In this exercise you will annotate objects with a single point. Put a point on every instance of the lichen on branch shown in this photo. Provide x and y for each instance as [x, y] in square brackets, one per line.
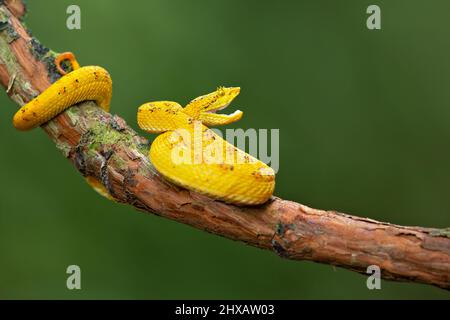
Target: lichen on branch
[101, 146]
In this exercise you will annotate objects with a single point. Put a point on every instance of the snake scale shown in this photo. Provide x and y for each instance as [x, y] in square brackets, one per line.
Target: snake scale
[186, 152]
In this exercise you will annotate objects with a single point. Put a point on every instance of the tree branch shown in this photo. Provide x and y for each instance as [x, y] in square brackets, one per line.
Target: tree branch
[102, 146]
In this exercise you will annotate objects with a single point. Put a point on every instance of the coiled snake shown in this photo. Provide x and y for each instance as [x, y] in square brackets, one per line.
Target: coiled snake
[186, 152]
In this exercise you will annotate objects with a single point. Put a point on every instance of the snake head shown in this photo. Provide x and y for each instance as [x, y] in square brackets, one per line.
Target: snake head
[217, 100]
[205, 107]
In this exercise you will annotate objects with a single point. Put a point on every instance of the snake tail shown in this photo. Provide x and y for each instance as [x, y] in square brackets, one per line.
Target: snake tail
[82, 84]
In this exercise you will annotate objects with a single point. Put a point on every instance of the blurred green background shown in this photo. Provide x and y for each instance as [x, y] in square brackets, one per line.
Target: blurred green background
[364, 119]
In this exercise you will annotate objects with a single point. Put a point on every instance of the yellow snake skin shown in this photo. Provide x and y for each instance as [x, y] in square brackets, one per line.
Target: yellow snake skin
[82, 84]
[209, 165]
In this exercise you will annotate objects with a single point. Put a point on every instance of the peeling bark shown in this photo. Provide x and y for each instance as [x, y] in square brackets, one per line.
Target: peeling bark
[103, 147]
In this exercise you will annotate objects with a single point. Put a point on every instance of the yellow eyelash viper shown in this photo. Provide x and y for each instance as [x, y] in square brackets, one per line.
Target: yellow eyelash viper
[208, 164]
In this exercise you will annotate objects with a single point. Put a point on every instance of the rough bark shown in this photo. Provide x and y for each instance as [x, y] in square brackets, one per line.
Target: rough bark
[102, 146]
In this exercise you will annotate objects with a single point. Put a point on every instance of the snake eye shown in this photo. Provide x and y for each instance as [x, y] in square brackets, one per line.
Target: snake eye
[221, 91]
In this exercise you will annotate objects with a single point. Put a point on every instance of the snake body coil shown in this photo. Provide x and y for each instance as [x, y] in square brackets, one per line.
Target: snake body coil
[240, 179]
[82, 84]
[193, 156]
